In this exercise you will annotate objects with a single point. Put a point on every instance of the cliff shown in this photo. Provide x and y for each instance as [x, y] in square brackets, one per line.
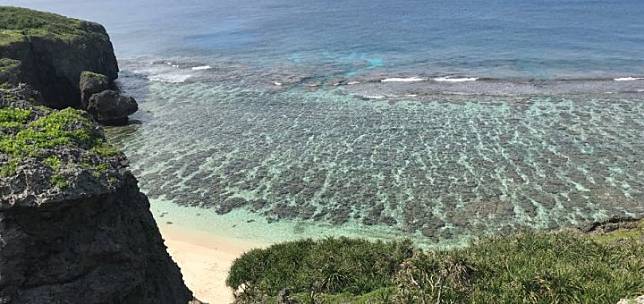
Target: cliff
[49, 52]
[74, 227]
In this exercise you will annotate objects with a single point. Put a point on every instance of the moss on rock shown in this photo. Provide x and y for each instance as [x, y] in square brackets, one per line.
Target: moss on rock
[58, 148]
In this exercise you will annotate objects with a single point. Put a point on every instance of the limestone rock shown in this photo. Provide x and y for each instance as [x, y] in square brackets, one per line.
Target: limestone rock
[110, 107]
[53, 51]
[74, 226]
[90, 84]
[9, 71]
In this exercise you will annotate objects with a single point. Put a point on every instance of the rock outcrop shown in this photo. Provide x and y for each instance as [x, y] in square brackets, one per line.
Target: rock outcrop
[53, 51]
[66, 60]
[74, 227]
[110, 107]
[90, 84]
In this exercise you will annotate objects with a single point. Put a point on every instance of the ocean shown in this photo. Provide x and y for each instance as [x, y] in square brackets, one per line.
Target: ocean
[439, 120]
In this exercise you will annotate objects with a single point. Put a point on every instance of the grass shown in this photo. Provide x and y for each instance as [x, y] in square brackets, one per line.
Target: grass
[18, 24]
[533, 267]
[327, 266]
[27, 137]
[67, 127]
[15, 23]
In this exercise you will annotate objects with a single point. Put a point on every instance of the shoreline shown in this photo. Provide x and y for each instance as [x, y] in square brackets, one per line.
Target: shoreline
[204, 259]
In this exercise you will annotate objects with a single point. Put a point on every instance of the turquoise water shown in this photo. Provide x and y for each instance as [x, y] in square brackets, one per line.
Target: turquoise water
[440, 120]
[435, 167]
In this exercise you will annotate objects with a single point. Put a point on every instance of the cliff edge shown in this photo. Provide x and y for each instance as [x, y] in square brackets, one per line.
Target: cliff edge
[74, 227]
[49, 52]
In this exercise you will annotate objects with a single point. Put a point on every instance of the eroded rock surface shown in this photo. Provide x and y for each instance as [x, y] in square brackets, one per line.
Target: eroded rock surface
[110, 107]
[90, 84]
[53, 51]
[74, 227]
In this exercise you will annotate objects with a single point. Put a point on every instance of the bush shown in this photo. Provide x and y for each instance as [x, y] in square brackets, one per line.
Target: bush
[534, 267]
[325, 266]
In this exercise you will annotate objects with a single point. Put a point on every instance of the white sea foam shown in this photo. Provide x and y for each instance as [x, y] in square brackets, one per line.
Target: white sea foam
[169, 77]
[628, 78]
[374, 96]
[277, 83]
[454, 79]
[353, 82]
[201, 68]
[408, 79]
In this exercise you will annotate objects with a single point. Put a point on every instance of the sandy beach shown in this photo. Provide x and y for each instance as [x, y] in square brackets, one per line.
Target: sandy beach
[204, 260]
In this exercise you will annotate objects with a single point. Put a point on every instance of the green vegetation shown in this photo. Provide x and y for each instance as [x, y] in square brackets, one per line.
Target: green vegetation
[13, 118]
[533, 267]
[16, 23]
[67, 127]
[92, 75]
[59, 181]
[328, 266]
[53, 162]
[25, 136]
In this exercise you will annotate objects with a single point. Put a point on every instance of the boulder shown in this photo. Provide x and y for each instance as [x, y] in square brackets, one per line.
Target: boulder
[110, 107]
[92, 83]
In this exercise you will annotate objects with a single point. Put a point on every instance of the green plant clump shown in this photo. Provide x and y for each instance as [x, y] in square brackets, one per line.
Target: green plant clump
[13, 118]
[16, 23]
[67, 127]
[22, 138]
[535, 267]
[327, 266]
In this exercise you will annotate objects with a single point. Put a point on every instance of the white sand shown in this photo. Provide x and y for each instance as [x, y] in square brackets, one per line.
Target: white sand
[204, 260]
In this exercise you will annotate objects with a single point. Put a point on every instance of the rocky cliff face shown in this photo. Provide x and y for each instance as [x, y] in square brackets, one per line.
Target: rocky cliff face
[102, 248]
[74, 227]
[53, 50]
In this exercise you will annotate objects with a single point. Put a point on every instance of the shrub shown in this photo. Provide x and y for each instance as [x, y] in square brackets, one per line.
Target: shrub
[533, 267]
[325, 266]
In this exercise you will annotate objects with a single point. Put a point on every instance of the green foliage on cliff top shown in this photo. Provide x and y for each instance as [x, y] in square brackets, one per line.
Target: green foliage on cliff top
[534, 267]
[60, 128]
[17, 23]
[24, 136]
[330, 265]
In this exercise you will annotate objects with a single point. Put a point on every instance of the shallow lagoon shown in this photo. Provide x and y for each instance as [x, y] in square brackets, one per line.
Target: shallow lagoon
[437, 167]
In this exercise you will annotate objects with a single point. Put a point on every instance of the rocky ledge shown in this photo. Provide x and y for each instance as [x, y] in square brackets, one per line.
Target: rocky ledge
[74, 226]
[66, 60]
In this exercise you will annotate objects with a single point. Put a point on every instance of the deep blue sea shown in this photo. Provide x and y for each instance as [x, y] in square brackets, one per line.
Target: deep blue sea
[493, 38]
[437, 119]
